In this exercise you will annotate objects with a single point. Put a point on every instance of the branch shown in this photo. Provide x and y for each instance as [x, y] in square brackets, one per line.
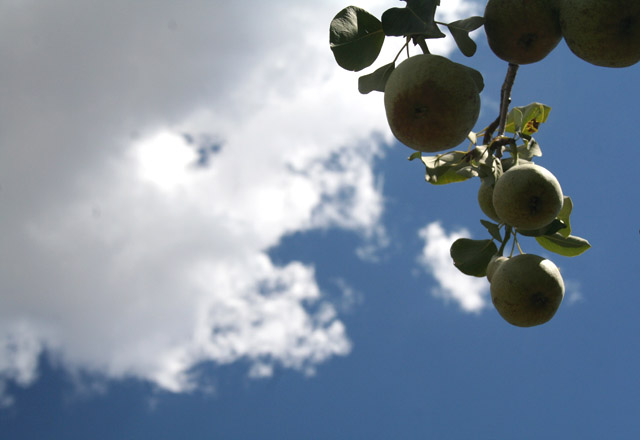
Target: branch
[505, 96]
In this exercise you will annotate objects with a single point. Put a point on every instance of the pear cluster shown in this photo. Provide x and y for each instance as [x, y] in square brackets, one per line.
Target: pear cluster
[602, 32]
[431, 102]
[526, 290]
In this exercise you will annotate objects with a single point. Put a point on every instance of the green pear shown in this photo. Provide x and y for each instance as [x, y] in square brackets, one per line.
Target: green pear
[432, 103]
[602, 32]
[485, 200]
[493, 265]
[527, 290]
[527, 196]
[521, 31]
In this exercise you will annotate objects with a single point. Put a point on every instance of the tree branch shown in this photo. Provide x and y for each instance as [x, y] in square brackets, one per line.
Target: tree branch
[505, 96]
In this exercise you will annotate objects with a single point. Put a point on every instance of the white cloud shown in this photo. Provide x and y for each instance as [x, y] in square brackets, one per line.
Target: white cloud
[122, 257]
[470, 293]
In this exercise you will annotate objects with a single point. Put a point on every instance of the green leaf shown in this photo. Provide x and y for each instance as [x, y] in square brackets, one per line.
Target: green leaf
[460, 31]
[356, 38]
[414, 19]
[564, 214]
[529, 150]
[443, 168]
[376, 80]
[527, 119]
[471, 257]
[570, 246]
[493, 229]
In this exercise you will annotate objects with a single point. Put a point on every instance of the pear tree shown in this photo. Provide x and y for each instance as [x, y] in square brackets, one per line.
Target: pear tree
[432, 106]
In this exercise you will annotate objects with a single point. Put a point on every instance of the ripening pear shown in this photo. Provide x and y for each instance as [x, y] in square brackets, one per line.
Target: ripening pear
[522, 31]
[485, 200]
[527, 196]
[602, 32]
[432, 103]
[527, 290]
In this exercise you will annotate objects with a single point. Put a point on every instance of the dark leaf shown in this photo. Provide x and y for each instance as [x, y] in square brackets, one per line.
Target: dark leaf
[355, 37]
[376, 80]
[414, 19]
[471, 257]
[493, 229]
[460, 31]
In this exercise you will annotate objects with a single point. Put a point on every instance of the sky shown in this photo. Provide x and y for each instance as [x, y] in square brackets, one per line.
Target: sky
[207, 232]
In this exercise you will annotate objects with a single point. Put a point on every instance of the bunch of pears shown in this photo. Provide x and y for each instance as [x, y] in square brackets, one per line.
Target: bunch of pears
[527, 289]
[602, 32]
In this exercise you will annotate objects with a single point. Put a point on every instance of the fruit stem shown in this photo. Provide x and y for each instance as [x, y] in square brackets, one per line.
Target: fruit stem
[505, 96]
[420, 41]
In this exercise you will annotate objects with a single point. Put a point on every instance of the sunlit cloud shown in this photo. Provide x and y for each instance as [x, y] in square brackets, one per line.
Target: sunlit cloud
[148, 172]
[469, 293]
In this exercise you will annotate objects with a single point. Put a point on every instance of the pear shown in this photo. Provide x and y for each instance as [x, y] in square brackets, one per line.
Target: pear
[485, 200]
[526, 290]
[493, 265]
[522, 31]
[431, 102]
[527, 196]
[602, 32]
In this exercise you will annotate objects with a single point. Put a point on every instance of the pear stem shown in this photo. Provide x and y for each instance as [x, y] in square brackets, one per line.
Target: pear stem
[505, 96]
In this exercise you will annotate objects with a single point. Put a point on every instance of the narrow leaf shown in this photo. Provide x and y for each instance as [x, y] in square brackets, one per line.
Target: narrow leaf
[570, 246]
[564, 214]
[355, 38]
[376, 80]
[493, 229]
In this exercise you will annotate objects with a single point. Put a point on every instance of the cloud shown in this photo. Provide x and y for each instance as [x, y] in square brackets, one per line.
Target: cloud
[471, 294]
[151, 162]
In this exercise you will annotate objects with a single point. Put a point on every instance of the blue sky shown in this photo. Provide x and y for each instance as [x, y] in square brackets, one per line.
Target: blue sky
[281, 290]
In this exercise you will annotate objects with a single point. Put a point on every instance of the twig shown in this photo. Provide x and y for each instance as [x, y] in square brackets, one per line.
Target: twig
[505, 96]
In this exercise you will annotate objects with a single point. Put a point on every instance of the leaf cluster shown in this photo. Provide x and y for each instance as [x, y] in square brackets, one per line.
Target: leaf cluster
[356, 37]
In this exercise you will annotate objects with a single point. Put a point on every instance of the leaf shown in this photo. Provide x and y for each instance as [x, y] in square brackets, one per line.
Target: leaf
[414, 19]
[416, 155]
[564, 214]
[443, 168]
[493, 229]
[570, 246]
[460, 31]
[527, 119]
[471, 257]
[356, 38]
[529, 150]
[376, 80]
